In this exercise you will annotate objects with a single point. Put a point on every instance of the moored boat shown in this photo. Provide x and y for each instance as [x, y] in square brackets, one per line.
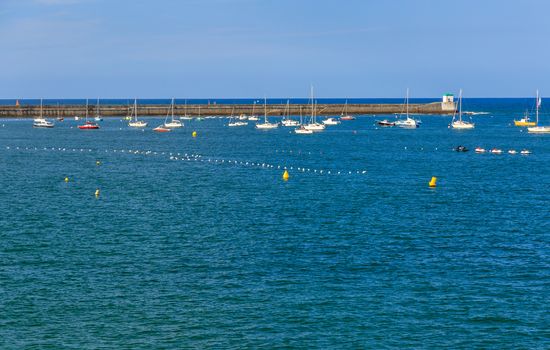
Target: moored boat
[457, 122]
[88, 125]
[538, 129]
[42, 122]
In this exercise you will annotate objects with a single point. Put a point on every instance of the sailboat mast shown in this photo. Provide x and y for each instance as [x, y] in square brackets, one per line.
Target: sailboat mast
[460, 106]
[538, 106]
[135, 109]
[265, 109]
[86, 109]
[172, 108]
[40, 108]
[97, 107]
[407, 103]
[312, 112]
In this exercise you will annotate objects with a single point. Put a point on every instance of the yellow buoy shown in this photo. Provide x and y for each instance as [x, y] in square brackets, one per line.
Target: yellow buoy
[194, 134]
[286, 176]
[97, 192]
[66, 179]
[433, 181]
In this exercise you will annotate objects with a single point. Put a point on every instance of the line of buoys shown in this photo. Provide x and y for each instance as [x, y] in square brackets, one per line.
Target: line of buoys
[200, 158]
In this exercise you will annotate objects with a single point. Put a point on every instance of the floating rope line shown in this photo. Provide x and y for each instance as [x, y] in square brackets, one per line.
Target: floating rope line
[192, 157]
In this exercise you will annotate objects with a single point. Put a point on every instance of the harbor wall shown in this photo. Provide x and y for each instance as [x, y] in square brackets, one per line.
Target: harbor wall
[53, 111]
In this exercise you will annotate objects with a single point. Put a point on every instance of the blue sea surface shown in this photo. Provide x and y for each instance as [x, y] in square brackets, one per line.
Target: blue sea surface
[199, 243]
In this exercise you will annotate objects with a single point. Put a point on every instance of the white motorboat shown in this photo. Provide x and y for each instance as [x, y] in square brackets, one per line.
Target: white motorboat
[458, 123]
[42, 123]
[331, 121]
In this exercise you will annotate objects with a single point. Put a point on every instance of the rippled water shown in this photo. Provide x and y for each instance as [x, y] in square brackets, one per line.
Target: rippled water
[209, 253]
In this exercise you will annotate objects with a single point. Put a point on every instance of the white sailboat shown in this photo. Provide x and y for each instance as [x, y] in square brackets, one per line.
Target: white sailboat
[408, 122]
[185, 116]
[135, 123]
[42, 122]
[173, 123]
[313, 125]
[253, 117]
[286, 117]
[459, 123]
[98, 117]
[266, 124]
[538, 129]
[301, 129]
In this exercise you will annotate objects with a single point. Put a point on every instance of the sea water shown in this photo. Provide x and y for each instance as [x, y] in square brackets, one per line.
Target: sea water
[199, 243]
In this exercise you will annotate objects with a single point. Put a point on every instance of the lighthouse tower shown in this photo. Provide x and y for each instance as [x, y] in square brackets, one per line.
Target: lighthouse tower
[447, 103]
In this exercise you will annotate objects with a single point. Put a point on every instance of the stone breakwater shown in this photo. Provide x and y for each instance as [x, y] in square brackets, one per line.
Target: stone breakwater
[53, 111]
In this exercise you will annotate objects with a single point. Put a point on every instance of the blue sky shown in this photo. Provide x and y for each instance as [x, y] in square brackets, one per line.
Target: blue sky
[252, 48]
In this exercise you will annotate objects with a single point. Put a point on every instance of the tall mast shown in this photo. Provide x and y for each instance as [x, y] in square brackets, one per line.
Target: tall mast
[40, 108]
[312, 113]
[86, 109]
[538, 105]
[172, 108]
[460, 105]
[407, 103]
[135, 109]
[265, 109]
[97, 107]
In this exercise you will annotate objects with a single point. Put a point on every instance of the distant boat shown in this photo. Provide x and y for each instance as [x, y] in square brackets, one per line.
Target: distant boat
[88, 125]
[233, 122]
[253, 117]
[185, 116]
[301, 129]
[266, 124]
[385, 123]
[345, 115]
[98, 117]
[173, 123]
[525, 121]
[408, 122]
[135, 123]
[286, 117]
[460, 124]
[313, 125]
[331, 121]
[42, 122]
[161, 128]
[538, 129]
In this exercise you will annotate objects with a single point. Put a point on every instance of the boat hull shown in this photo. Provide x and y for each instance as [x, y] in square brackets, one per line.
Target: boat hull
[539, 130]
[524, 123]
